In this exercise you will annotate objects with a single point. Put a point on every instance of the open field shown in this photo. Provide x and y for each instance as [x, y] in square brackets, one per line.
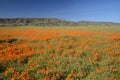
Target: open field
[60, 53]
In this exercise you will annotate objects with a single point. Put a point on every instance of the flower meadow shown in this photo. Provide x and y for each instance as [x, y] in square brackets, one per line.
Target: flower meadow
[59, 53]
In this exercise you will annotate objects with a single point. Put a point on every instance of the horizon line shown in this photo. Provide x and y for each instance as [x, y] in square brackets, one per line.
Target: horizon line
[59, 19]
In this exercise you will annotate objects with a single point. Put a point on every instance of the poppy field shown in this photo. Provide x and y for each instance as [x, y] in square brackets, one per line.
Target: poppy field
[60, 53]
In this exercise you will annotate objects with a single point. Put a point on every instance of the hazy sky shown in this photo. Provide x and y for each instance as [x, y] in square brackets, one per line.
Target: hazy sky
[74, 10]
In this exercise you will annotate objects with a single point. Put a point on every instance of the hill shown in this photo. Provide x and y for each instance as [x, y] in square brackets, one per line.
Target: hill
[50, 22]
[34, 22]
[90, 23]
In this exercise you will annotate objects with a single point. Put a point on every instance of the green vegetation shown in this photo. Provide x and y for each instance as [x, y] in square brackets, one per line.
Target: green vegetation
[60, 53]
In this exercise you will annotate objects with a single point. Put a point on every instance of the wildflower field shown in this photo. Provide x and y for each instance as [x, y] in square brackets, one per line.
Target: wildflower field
[60, 53]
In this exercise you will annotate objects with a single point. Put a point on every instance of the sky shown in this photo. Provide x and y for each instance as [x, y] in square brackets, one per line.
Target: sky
[72, 10]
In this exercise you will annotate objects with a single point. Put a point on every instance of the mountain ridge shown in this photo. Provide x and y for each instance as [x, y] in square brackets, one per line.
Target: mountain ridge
[51, 22]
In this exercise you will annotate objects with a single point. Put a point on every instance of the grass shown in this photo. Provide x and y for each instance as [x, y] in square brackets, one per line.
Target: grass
[60, 53]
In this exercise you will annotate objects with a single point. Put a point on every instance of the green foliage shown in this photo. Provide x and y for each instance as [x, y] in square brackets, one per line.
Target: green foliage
[75, 57]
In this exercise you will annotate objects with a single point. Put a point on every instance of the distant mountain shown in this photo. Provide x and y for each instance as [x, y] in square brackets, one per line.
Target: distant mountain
[50, 22]
[34, 22]
[91, 23]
